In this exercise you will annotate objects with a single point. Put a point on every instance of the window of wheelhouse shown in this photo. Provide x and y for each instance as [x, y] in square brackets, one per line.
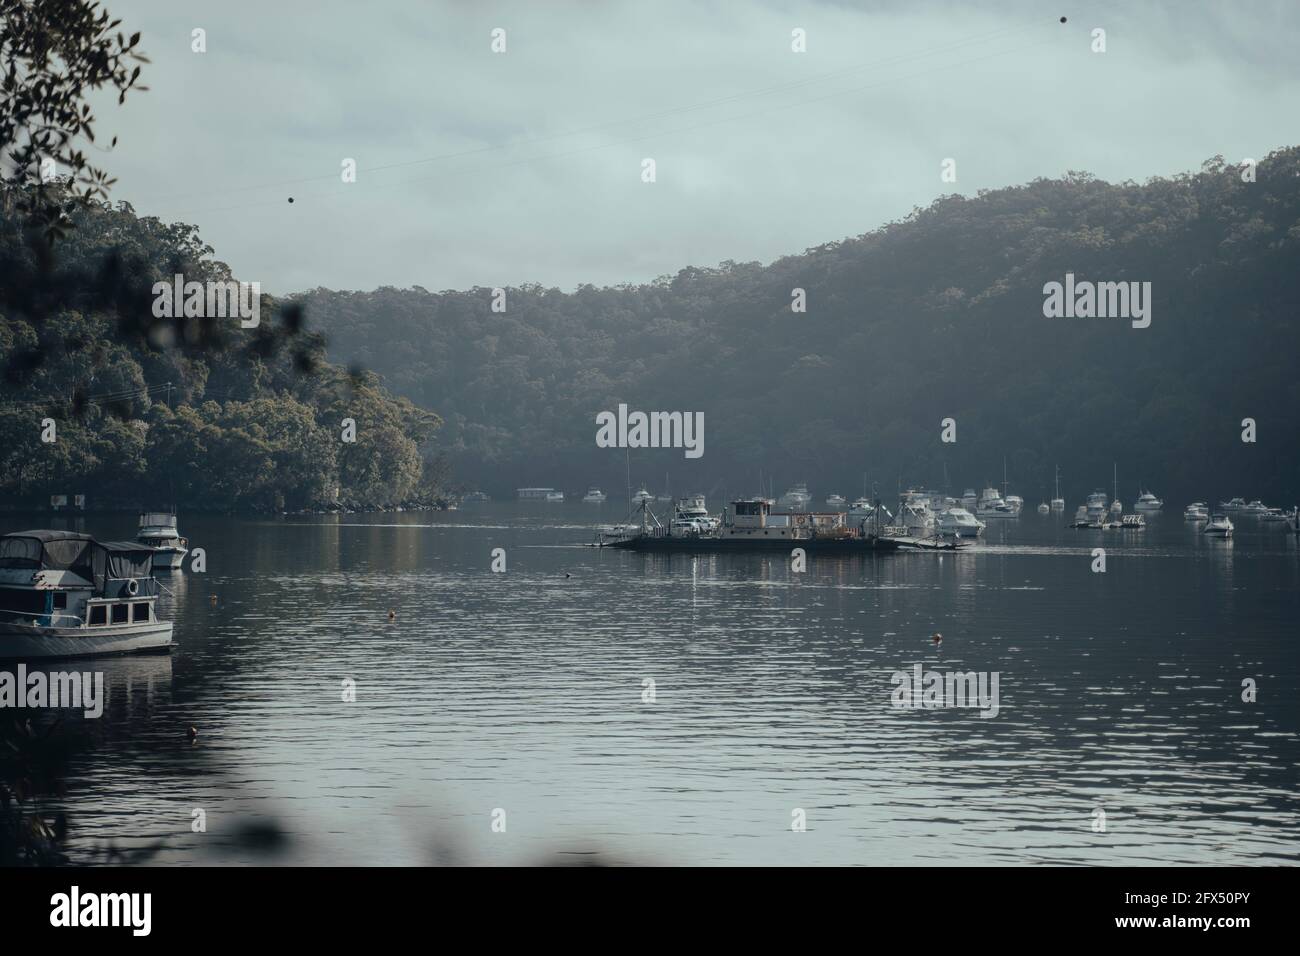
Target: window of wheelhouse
[120, 613]
[60, 600]
[98, 614]
[140, 611]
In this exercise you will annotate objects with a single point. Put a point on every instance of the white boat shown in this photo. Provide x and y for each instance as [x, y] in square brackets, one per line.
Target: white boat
[1273, 514]
[1148, 502]
[594, 496]
[1116, 507]
[1014, 502]
[1256, 507]
[554, 496]
[959, 523]
[1219, 526]
[1196, 511]
[692, 509]
[796, 498]
[64, 594]
[1044, 508]
[642, 496]
[1096, 505]
[915, 518]
[1082, 518]
[835, 501]
[1233, 504]
[969, 500]
[1058, 503]
[158, 531]
[993, 506]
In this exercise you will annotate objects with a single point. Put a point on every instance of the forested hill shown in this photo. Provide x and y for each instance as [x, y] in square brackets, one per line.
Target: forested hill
[196, 412]
[937, 316]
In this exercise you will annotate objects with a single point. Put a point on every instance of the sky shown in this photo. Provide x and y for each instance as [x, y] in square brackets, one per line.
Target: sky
[483, 168]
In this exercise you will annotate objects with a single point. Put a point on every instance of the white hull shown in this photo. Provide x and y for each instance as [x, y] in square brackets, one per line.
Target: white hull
[30, 642]
[169, 558]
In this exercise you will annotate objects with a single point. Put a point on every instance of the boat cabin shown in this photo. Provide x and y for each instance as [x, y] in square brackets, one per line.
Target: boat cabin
[64, 579]
[755, 517]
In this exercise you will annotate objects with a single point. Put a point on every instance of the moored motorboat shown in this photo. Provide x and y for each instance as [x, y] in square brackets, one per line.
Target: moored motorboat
[959, 523]
[796, 497]
[1219, 526]
[1196, 511]
[594, 496]
[1148, 502]
[158, 531]
[64, 594]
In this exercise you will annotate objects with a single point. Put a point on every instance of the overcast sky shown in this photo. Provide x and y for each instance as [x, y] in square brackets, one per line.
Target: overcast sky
[526, 166]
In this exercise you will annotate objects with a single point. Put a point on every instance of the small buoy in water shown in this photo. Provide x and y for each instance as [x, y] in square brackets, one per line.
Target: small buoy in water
[192, 732]
[290, 199]
[212, 599]
[938, 638]
[1062, 20]
[392, 615]
[567, 574]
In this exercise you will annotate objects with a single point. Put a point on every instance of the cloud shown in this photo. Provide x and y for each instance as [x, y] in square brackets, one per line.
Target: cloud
[760, 152]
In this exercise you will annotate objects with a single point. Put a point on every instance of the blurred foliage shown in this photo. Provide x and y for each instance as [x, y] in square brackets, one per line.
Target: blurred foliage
[53, 53]
[939, 315]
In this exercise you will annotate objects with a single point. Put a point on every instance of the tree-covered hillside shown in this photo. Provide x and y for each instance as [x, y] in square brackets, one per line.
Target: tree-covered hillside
[938, 316]
[193, 411]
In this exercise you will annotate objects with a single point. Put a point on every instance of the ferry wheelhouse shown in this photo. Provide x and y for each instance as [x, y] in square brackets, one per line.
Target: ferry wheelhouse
[64, 594]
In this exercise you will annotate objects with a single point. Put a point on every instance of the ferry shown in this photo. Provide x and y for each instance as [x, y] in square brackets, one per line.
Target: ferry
[158, 531]
[64, 594]
[751, 524]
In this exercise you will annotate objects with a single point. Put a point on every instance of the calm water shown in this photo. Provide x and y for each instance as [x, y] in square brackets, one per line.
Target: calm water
[523, 691]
